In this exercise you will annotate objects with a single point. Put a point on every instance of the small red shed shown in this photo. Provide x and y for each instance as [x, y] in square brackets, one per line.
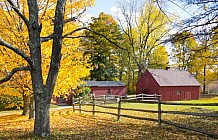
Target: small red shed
[172, 85]
[107, 87]
[98, 88]
[61, 101]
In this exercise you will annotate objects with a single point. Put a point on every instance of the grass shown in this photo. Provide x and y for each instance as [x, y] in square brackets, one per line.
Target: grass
[174, 107]
[66, 124]
[204, 100]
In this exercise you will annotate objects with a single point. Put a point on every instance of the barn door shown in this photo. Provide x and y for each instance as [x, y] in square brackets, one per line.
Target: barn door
[188, 95]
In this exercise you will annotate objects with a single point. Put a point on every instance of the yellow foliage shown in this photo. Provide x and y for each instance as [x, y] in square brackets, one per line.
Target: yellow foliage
[12, 29]
[152, 23]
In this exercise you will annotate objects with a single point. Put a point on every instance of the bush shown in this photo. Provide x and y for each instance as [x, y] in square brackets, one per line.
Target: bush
[86, 91]
[82, 91]
[10, 102]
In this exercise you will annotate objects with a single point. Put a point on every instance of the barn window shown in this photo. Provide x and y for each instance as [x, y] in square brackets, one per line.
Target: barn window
[178, 92]
[62, 100]
[108, 91]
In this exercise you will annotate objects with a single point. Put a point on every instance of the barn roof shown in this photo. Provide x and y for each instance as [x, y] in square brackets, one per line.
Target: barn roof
[173, 77]
[105, 83]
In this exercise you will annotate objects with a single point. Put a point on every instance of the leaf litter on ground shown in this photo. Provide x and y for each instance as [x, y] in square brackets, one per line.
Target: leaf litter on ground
[66, 124]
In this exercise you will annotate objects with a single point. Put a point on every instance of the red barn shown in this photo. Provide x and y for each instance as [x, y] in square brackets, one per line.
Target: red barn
[98, 88]
[107, 87]
[172, 85]
[62, 101]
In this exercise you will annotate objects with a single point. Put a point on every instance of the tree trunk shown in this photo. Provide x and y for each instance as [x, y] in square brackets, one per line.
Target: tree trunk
[43, 93]
[32, 108]
[25, 105]
[204, 84]
[42, 116]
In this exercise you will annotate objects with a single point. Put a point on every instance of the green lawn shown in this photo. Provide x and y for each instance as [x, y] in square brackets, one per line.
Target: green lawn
[204, 100]
[174, 107]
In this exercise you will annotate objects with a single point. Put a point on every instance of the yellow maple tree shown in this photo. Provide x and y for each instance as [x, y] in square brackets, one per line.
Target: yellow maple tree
[51, 27]
[74, 64]
[14, 31]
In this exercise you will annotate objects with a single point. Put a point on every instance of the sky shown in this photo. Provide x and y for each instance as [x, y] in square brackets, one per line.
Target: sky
[102, 5]
[107, 6]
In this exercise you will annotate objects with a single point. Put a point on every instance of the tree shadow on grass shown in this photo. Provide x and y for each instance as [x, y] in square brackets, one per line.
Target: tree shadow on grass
[67, 125]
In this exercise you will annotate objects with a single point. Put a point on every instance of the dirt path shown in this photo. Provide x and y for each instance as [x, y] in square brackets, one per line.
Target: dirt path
[4, 113]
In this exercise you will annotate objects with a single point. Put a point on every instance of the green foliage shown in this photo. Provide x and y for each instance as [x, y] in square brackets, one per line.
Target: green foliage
[104, 56]
[138, 38]
[86, 91]
[10, 102]
[82, 90]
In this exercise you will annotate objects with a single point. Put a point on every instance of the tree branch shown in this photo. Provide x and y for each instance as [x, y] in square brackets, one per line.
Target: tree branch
[201, 1]
[19, 13]
[76, 17]
[47, 38]
[78, 29]
[99, 34]
[16, 50]
[106, 39]
[8, 77]
[56, 48]
[158, 4]
[74, 37]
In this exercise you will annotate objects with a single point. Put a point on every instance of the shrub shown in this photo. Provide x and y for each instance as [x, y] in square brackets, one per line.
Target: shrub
[11, 102]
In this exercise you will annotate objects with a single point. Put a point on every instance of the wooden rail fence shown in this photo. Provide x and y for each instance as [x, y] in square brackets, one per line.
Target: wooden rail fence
[101, 102]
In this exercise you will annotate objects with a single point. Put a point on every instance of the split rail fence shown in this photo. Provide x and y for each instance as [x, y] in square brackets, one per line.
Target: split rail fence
[103, 101]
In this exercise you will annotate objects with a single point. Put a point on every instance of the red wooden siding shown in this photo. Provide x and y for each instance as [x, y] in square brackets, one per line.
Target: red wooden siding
[148, 85]
[98, 88]
[115, 90]
[179, 93]
[60, 101]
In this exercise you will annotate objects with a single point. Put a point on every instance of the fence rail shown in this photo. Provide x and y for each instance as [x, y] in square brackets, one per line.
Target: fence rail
[101, 102]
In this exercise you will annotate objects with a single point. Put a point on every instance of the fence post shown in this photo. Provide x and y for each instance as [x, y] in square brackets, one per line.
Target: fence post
[80, 108]
[119, 108]
[93, 105]
[159, 112]
[142, 96]
[105, 99]
[73, 104]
